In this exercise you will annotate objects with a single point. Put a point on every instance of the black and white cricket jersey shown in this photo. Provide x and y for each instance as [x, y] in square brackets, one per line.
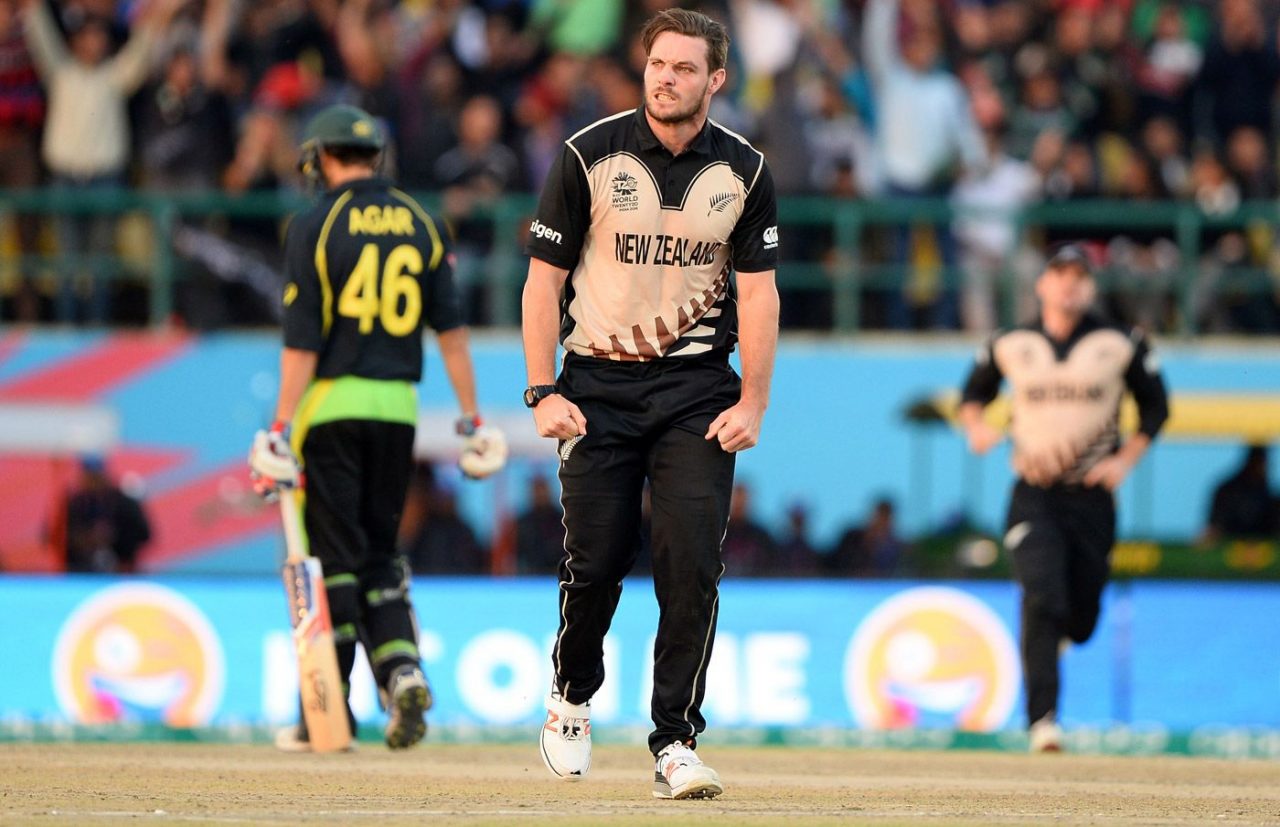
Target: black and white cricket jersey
[1066, 395]
[650, 239]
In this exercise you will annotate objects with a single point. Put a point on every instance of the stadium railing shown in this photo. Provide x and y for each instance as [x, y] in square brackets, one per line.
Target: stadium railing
[837, 257]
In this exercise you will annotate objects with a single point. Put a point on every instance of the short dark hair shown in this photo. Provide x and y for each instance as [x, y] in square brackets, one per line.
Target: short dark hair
[1071, 254]
[691, 24]
[350, 155]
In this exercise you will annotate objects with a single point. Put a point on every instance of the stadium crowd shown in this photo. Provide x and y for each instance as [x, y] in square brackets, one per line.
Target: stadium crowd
[435, 538]
[992, 105]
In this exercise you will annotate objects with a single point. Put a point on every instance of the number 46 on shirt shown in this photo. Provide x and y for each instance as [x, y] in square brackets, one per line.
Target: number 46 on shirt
[366, 297]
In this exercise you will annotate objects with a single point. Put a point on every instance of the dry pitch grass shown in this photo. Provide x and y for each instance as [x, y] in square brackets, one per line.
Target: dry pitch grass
[56, 784]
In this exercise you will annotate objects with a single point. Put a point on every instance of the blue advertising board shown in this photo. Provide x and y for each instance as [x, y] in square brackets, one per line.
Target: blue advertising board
[196, 652]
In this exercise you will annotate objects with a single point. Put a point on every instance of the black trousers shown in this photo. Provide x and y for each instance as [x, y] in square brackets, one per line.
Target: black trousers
[357, 475]
[1061, 539]
[645, 421]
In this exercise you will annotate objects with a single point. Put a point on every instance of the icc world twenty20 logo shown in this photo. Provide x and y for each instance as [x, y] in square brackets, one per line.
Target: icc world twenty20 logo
[138, 652]
[932, 658]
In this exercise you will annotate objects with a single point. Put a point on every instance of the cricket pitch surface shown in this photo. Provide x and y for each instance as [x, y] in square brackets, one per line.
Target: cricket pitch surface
[143, 783]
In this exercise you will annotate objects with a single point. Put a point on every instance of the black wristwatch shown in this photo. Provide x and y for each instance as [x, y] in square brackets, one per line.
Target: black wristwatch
[536, 393]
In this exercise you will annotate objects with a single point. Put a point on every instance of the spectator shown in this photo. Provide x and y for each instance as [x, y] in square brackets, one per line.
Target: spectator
[884, 548]
[1168, 71]
[105, 527]
[1040, 106]
[873, 549]
[431, 88]
[613, 86]
[1251, 163]
[1010, 24]
[925, 137]
[1211, 185]
[22, 110]
[1238, 79]
[445, 544]
[554, 102]
[266, 150]
[1079, 68]
[1175, 79]
[748, 549]
[416, 499]
[539, 531]
[184, 134]
[86, 137]
[1075, 177]
[1146, 259]
[1163, 143]
[836, 140]
[796, 556]
[497, 51]
[361, 30]
[1109, 73]
[1243, 503]
[986, 227]
[474, 174]
[1222, 302]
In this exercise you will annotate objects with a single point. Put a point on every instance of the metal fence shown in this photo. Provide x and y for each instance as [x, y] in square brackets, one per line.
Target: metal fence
[1179, 269]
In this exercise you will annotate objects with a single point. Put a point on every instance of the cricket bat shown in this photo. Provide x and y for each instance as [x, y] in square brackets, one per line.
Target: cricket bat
[324, 706]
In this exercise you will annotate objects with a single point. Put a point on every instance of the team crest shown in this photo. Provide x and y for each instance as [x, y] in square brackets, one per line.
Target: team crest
[625, 198]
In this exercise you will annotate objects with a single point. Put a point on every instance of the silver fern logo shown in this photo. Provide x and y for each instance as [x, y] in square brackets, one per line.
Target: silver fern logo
[721, 202]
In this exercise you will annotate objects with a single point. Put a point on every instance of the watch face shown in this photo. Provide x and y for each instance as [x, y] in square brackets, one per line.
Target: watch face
[536, 393]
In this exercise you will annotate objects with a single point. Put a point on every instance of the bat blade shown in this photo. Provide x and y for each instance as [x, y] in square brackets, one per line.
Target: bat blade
[324, 706]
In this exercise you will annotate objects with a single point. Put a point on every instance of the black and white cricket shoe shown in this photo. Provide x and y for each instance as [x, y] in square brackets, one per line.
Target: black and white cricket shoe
[409, 698]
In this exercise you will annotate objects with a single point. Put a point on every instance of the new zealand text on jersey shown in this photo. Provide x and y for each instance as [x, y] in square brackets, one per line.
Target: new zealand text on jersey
[1063, 392]
[663, 250]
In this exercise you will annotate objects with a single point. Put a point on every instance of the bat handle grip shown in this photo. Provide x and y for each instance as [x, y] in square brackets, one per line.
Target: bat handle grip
[295, 545]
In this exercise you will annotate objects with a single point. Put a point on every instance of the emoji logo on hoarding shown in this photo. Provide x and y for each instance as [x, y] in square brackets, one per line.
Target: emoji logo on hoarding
[932, 658]
[138, 652]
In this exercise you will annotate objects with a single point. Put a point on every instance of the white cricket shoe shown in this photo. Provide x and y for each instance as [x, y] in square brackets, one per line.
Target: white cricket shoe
[566, 738]
[409, 699]
[1045, 735]
[681, 774]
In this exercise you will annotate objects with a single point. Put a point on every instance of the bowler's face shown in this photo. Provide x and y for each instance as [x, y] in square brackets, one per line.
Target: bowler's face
[1068, 288]
[677, 83]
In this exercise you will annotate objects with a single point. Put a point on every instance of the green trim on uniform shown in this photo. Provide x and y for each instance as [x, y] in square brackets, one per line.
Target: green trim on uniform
[437, 247]
[322, 261]
[312, 398]
[345, 633]
[340, 580]
[355, 397]
[392, 648]
[378, 597]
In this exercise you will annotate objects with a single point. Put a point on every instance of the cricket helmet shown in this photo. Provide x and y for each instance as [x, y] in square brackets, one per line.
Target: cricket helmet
[338, 126]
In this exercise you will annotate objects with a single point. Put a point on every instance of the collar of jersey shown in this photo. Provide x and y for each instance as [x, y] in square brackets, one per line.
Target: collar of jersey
[702, 143]
[374, 182]
[1088, 323]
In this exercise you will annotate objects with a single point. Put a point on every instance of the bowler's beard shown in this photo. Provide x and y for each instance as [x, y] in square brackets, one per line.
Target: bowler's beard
[678, 116]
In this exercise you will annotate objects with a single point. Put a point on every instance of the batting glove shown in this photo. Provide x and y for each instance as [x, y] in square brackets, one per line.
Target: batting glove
[273, 466]
[484, 448]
